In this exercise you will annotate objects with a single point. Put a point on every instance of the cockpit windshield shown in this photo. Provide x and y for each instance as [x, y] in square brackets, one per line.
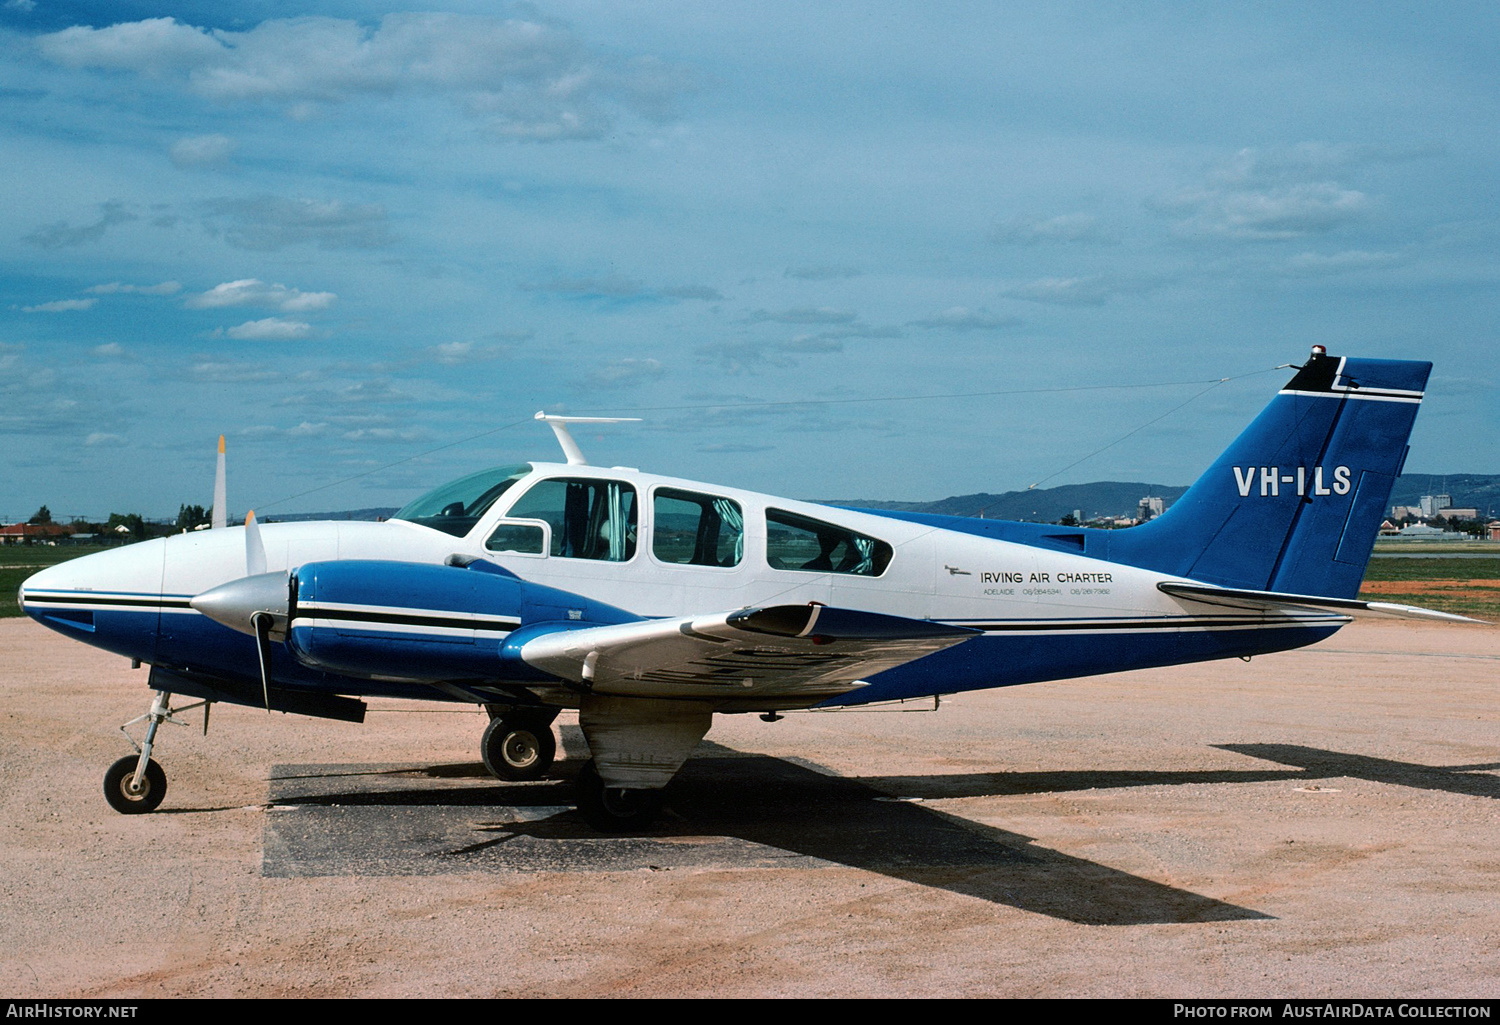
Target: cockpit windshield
[455, 507]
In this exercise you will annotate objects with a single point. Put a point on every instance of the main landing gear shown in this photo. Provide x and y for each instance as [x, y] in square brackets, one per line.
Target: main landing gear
[518, 744]
[614, 809]
[135, 784]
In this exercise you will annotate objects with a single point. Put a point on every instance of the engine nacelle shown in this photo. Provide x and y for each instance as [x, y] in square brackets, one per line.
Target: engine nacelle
[424, 623]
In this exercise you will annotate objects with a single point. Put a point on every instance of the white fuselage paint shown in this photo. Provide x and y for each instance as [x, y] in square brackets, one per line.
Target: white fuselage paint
[934, 574]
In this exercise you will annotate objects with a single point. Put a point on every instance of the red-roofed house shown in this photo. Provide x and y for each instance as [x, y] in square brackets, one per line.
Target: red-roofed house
[17, 533]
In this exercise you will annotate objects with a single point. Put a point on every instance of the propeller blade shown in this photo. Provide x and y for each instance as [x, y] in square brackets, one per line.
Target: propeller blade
[221, 503]
[255, 548]
[262, 623]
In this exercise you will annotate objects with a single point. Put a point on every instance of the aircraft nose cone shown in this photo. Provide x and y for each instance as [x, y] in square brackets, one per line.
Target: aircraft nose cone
[235, 603]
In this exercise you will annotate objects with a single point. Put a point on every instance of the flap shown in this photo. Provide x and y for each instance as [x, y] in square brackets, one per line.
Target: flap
[804, 653]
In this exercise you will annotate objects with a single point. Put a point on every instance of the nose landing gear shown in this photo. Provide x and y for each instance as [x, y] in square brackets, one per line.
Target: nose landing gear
[135, 784]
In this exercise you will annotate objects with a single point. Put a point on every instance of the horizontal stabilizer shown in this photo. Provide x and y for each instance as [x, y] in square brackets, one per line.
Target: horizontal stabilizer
[787, 655]
[1274, 600]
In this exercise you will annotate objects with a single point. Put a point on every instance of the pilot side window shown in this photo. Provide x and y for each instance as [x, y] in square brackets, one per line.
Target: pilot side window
[801, 543]
[591, 519]
[696, 530]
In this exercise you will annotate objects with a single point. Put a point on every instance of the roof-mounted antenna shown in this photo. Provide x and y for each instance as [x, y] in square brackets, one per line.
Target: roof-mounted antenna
[559, 425]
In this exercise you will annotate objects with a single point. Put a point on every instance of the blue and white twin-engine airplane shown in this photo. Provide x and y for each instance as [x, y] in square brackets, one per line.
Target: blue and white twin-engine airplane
[649, 604]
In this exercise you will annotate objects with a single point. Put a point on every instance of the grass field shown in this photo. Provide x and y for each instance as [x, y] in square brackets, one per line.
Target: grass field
[17, 562]
[1470, 586]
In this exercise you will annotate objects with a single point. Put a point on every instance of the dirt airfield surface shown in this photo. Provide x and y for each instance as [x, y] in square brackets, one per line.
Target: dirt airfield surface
[1316, 823]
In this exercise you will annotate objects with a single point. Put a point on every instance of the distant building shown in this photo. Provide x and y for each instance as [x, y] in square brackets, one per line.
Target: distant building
[1430, 504]
[1150, 507]
[1493, 527]
[1453, 513]
[1422, 532]
[20, 533]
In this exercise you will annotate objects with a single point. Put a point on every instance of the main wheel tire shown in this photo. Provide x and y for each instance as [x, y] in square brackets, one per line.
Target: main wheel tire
[517, 748]
[117, 783]
[614, 809]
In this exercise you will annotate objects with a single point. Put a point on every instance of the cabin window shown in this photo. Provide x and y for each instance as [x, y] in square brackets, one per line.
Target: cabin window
[590, 519]
[455, 507]
[691, 529]
[800, 543]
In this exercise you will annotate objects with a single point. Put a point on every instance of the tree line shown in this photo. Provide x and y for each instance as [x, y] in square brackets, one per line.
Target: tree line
[138, 528]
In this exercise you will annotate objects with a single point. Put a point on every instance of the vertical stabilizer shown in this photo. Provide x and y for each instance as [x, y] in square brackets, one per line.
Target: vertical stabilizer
[1295, 503]
[221, 509]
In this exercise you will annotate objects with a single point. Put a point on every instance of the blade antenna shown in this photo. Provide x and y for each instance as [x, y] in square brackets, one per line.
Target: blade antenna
[559, 425]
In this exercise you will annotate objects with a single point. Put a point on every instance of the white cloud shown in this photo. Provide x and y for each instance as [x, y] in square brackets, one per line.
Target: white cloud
[805, 315]
[224, 372]
[389, 434]
[267, 223]
[523, 79]
[305, 429]
[254, 292]
[61, 306]
[99, 439]
[113, 287]
[1094, 290]
[624, 372]
[616, 287]
[1339, 263]
[691, 292]
[271, 329]
[61, 233]
[1063, 229]
[822, 273]
[1279, 212]
[961, 318]
[612, 287]
[1274, 194]
[202, 151]
[109, 350]
[457, 353]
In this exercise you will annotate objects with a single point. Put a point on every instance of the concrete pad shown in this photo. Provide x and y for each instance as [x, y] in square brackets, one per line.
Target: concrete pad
[1316, 823]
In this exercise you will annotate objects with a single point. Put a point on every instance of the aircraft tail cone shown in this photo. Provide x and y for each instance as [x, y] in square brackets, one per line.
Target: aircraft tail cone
[237, 603]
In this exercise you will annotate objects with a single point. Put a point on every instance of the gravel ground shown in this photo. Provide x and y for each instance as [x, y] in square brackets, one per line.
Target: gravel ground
[1318, 823]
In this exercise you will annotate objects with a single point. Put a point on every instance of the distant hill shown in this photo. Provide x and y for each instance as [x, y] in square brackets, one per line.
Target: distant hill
[1119, 498]
[1101, 498]
[1469, 490]
[1043, 505]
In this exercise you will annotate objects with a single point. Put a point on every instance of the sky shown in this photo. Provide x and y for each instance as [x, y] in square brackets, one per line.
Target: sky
[823, 250]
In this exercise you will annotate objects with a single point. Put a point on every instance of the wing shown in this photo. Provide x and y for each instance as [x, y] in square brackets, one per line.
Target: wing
[795, 654]
[1275, 601]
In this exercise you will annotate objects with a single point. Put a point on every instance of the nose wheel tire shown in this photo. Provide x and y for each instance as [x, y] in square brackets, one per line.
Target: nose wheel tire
[128, 797]
[517, 748]
[614, 809]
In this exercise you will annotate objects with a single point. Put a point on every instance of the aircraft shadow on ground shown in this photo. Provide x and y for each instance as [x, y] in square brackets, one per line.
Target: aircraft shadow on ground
[1316, 763]
[724, 810]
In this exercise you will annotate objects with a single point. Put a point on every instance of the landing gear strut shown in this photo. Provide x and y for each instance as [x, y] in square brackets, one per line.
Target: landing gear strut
[614, 809]
[135, 784]
[518, 744]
